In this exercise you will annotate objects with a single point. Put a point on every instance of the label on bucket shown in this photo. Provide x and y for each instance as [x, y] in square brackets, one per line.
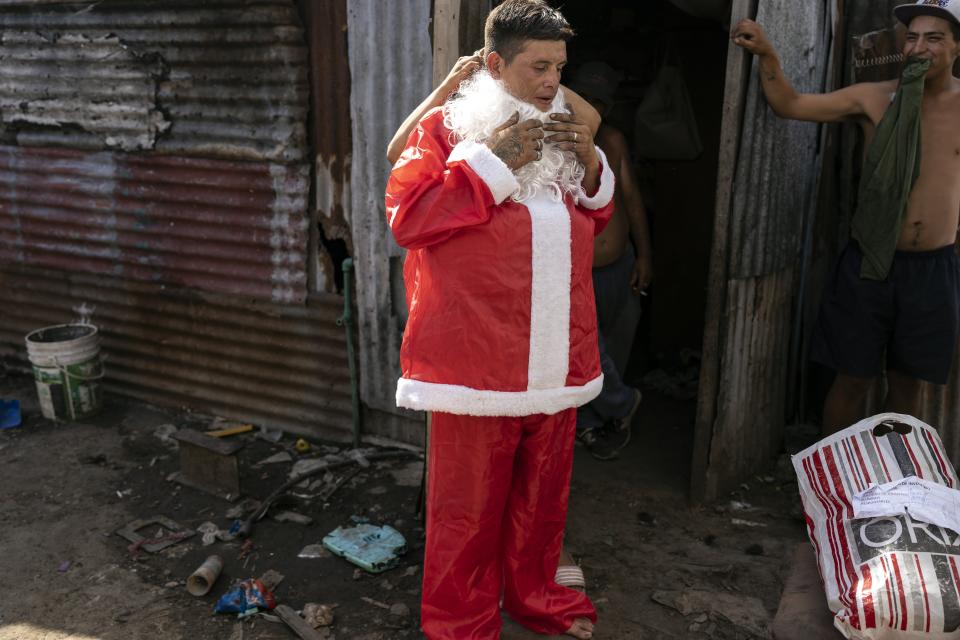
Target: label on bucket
[71, 392]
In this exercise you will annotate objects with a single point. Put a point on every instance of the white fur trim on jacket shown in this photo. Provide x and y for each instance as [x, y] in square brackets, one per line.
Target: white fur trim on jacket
[605, 193]
[460, 400]
[491, 169]
[551, 272]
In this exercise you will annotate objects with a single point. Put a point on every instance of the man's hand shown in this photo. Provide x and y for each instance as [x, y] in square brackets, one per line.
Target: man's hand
[642, 274]
[749, 35]
[572, 134]
[517, 143]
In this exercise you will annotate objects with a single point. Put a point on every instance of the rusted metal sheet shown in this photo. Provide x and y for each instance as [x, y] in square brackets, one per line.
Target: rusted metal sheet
[756, 258]
[223, 79]
[271, 364]
[213, 225]
[390, 64]
[326, 26]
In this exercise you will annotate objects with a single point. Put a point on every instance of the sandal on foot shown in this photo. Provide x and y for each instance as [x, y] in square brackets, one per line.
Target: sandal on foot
[570, 576]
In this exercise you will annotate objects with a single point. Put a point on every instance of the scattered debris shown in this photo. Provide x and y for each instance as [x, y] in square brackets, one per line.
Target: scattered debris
[376, 603]
[230, 431]
[245, 550]
[64, 566]
[9, 414]
[170, 533]
[292, 516]
[747, 614]
[249, 596]
[271, 579]
[318, 615]
[270, 436]
[374, 549]
[165, 433]
[297, 624]
[747, 523]
[400, 610]
[314, 551]
[211, 533]
[209, 464]
[246, 507]
[409, 475]
[283, 456]
[302, 446]
[315, 468]
[201, 581]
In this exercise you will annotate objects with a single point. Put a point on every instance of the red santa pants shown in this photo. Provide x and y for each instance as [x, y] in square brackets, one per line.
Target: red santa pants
[496, 510]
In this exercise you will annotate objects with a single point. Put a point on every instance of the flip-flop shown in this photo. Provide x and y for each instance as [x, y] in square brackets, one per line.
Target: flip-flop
[570, 576]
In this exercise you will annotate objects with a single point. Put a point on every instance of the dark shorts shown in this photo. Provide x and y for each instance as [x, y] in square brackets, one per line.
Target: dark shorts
[912, 316]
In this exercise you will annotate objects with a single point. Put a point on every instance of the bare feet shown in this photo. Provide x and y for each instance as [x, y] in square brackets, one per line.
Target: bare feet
[581, 628]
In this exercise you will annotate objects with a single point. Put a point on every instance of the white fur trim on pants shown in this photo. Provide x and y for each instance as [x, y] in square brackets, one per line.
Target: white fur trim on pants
[460, 400]
[604, 194]
[491, 169]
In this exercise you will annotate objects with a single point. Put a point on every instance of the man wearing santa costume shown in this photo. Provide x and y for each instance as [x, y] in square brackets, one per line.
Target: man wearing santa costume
[497, 196]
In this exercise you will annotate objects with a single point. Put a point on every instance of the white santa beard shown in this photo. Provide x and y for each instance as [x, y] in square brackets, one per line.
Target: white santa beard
[483, 105]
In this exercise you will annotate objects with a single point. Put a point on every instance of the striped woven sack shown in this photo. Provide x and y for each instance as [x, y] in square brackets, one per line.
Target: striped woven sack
[888, 577]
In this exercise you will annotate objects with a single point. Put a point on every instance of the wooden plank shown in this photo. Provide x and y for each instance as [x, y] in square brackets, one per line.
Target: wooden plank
[446, 37]
[734, 98]
[297, 624]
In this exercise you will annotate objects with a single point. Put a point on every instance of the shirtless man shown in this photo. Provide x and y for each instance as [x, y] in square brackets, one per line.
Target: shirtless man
[621, 272]
[913, 313]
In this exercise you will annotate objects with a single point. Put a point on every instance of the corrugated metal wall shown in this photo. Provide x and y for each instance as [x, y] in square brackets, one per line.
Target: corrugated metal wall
[772, 199]
[156, 170]
[232, 227]
[222, 79]
[330, 132]
[279, 365]
[390, 68]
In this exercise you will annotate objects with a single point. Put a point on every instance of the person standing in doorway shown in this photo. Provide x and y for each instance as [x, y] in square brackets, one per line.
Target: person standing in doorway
[622, 272]
[892, 302]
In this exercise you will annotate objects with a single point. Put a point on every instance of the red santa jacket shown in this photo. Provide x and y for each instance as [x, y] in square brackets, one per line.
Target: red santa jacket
[502, 319]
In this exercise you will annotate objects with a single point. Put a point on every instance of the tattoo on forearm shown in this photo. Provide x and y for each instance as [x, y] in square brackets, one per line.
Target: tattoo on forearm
[509, 149]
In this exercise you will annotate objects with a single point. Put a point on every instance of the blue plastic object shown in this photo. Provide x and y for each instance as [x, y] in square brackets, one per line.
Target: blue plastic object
[9, 414]
[375, 549]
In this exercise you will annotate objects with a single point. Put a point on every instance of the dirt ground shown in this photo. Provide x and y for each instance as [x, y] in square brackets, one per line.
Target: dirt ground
[656, 568]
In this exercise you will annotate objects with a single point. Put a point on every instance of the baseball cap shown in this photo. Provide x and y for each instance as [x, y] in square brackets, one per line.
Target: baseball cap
[596, 80]
[947, 9]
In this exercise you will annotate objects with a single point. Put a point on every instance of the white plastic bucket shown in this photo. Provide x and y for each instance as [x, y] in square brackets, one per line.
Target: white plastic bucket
[67, 370]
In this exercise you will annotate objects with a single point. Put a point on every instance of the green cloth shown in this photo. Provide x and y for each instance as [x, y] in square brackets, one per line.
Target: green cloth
[891, 168]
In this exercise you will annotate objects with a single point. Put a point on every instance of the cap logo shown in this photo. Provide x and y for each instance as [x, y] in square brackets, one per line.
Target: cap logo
[943, 4]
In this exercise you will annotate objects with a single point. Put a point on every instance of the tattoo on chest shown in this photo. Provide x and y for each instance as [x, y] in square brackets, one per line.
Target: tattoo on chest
[509, 149]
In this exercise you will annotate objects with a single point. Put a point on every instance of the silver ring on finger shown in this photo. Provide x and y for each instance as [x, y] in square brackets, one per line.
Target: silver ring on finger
[539, 154]
[574, 137]
[539, 144]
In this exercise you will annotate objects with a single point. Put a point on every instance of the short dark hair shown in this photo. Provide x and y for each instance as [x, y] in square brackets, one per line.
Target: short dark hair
[955, 28]
[516, 21]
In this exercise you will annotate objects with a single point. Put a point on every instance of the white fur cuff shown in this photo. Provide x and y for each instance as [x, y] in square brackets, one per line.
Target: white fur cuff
[460, 400]
[604, 194]
[491, 169]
